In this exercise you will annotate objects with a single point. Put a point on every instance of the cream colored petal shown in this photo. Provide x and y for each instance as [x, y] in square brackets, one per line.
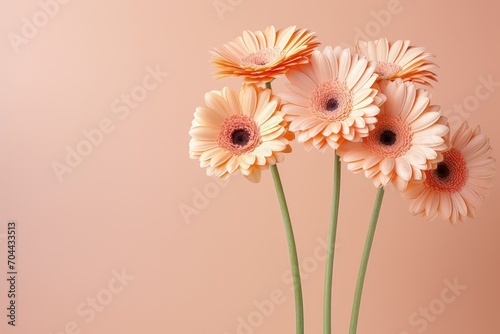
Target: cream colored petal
[367, 79]
[425, 121]
[415, 157]
[476, 147]
[263, 115]
[284, 36]
[232, 100]
[470, 196]
[427, 140]
[254, 176]
[294, 98]
[371, 50]
[382, 49]
[296, 90]
[459, 203]
[264, 98]
[361, 97]
[428, 152]
[219, 158]
[403, 169]
[248, 158]
[344, 65]
[232, 164]
[384, 179]
[372, 161]
[271, 124]
[387, 165]
[356, 72]
[263, 151]
[204, 133]
[275, 145]
[321, 66]
[250, 41]
[418, 108]
[301, 80]
[270, 33]
[394, 51]
[202, 145]
[279, 131]
[217, 103]
[261, 38]
[445, 206]
[432, 204]
[204, 115]
[417, 205]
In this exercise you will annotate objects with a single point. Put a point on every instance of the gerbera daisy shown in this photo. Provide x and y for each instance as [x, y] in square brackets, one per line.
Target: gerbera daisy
[239, 131]
[456, 188]
[263, 56]
[409, 137]
[399, 60]
[331, 99]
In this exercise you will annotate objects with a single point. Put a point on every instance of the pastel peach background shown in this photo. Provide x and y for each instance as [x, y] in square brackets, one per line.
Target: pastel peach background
[119, 208]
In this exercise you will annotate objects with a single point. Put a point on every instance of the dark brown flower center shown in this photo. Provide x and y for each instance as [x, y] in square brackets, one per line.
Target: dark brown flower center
[331, 100]
[332, 104]
[442, 171]
[240, 137]
[450, 175]
[239, 134]
[387, 138]
[391, 137]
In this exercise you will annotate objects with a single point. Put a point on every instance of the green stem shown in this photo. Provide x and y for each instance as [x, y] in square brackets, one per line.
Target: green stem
[364, 261]
[327, 299]
[292, 249]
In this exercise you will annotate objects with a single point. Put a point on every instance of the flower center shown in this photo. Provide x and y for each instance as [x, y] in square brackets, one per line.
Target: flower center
[240, 137]
[387, 138]
[262, 57]
[450, 175]
[332, 104]
[239, 134]
[331, 100]
[442, 171]
[391, 137]
[387, 70]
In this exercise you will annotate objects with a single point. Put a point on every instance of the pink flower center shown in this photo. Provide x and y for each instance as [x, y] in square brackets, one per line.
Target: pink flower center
[331, 100]
[391, 137]
[450, 175]
[387, 70]
[262, 57]
[239, 134]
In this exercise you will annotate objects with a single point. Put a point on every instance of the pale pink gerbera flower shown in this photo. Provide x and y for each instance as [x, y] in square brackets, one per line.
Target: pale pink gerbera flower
[409, 138]
[399, 60]
[263, 56]
[456, 188]
[239, 131]
[331, 99]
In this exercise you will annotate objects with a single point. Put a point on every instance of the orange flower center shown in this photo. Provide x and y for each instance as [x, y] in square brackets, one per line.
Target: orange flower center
[450, 175]
[387, 70]
[331, 100]
[262, 57]
[391, 137]
[239, 134]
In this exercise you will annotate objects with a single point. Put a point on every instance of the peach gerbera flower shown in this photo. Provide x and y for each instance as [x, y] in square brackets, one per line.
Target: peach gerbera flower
[263, 56]
[331, 99]
[399, 60]
[409, 137]
[239, 131]
[456, 188]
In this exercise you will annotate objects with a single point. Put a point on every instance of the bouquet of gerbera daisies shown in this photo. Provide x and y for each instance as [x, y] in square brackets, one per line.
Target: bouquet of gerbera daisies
[364, 104]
